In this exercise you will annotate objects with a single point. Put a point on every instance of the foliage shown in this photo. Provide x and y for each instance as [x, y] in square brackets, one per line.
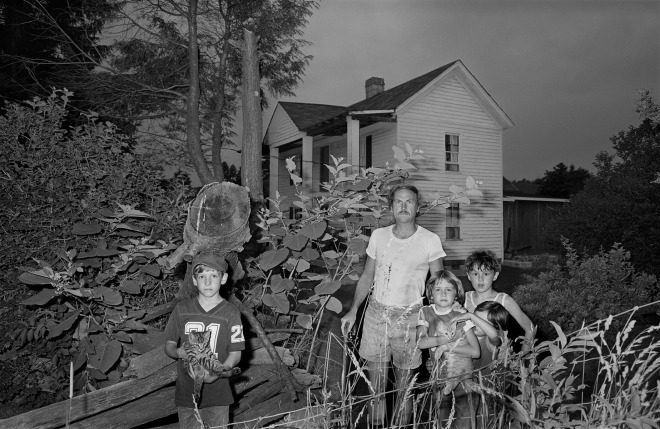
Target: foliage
[96, 219]
[585, 289]
[621, 203]
[231, 173]
[562, 181]
[35, 45]
[308, 258]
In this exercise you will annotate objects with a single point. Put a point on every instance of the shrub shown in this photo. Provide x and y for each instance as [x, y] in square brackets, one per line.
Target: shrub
[585, 289]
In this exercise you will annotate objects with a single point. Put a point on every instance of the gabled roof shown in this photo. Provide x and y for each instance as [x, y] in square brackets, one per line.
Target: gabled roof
[305, 115]
[316, 119]
[394, 97]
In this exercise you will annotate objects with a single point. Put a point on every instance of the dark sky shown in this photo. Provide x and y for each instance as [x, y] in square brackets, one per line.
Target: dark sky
[566, 72]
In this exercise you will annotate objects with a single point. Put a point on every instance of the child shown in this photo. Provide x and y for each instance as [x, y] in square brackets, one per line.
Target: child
[451, 341]
[490, 321]
[483, 268]
[208, 311]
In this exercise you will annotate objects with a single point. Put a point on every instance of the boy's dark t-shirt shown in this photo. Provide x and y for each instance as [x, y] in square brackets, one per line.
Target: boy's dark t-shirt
[224, 321]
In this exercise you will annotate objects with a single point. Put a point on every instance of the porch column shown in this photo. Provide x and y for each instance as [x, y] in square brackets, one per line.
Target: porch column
[353, 144]
[274, 176]
[307, 162]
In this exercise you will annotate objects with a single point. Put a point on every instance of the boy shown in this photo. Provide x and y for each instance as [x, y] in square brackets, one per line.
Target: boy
[483, 267]
[208, 311]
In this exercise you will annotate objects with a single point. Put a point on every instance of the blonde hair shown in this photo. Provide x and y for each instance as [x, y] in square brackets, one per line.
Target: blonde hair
[450, 278]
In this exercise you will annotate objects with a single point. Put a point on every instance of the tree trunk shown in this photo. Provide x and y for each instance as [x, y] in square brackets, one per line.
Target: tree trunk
[252, 123]
[193, 139]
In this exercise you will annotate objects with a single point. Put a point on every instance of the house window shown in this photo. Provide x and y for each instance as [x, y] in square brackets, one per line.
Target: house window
[453, 218]
[298, 172]
[365, 153]
[325, 159]
[451, 152]
[295, 212]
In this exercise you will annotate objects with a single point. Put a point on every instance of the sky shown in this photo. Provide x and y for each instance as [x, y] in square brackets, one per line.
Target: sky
[566, 72]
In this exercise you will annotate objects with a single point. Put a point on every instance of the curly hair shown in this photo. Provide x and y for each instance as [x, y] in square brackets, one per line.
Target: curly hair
[483, 259]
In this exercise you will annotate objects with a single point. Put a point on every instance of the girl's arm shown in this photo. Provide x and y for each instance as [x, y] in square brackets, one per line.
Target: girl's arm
[471, 350]
[523, 320]
[424, 341]
[482, 324]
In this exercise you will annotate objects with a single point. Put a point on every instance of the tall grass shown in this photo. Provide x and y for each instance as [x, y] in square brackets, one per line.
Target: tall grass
[595, 377]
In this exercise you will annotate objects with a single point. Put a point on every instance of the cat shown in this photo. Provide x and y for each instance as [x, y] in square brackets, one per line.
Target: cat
[455, 368]
[202, 361]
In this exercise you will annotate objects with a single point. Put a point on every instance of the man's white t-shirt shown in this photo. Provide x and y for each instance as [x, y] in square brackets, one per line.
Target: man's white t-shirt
[402, 265]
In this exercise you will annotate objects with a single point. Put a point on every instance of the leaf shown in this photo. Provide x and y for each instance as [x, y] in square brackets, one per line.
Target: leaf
[96, 374]
[130, 286]
[474, 193]
[327, 288]
[409, 148]
[59, 329]
[152, 269]
[560, 334]
[357, 246]
[277, 284]
[302, 266]
[110, 296]
[455, 189]
[123, 337]
[278, 231]
[272, 258]
[334, 305]
[130, 227]
[310, 254]
[461, 200]
[314, 230]
[470, 182]
[86, 228]
[79, 361]
[343, 166]
[290, 165]
[32, 278]
[295, 179]
[41, 298]
[111, 355]
[295, 241]
[404, 166]
[399, 155]
[304, 320]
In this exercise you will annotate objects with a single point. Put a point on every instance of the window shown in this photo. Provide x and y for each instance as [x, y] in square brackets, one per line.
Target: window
[365, 153]
[451, 152]
[325, 159]
[453, 218]
[295, 212]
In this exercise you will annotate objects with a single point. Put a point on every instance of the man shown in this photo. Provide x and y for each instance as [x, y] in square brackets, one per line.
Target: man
[399, 258]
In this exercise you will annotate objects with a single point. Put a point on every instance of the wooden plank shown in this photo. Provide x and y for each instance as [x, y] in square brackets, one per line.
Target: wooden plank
[54, 415]
[144, 365]
[152, 407]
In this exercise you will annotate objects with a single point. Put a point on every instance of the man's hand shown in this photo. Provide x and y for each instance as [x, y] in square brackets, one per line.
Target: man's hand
[347, 322]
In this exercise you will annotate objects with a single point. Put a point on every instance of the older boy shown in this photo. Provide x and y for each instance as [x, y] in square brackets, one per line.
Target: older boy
[208, 311]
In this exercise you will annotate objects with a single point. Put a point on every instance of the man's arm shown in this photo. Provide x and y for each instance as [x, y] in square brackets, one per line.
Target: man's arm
[233, 359]
[435, 266]
[361, 292]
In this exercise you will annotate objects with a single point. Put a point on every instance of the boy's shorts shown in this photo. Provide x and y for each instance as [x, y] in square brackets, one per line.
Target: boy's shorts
[390, 333]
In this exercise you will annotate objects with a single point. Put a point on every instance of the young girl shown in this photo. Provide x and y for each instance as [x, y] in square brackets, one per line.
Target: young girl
[448, 340]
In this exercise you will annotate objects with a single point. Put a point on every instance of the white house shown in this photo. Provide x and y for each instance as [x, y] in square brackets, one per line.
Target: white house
[446, 112]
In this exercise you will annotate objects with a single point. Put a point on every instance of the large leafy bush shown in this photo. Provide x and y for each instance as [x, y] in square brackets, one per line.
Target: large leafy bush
[95, 218]
[585, 289]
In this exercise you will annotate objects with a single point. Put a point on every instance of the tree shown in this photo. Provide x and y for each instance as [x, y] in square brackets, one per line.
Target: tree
[231, 173]
[562, 181]
[621, 203]
[151, 71]
[35, 40]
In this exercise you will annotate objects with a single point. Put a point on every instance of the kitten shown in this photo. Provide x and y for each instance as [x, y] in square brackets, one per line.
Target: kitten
[202, 361]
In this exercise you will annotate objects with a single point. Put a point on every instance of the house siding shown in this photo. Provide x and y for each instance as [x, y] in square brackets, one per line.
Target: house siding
[450, 108]
[281, 129]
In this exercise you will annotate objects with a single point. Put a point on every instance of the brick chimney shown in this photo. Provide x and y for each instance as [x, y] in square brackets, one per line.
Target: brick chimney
[374, 85]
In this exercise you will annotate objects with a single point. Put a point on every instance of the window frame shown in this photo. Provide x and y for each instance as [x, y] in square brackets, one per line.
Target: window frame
[452, 160]
[453, 222]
